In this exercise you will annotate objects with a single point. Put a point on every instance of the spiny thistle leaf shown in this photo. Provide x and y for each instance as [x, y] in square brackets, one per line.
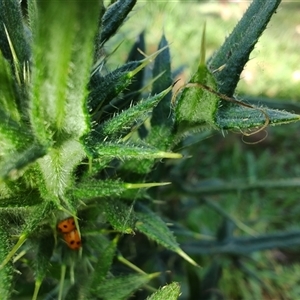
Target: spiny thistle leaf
[104, 89]
[98, 189]
[6, 272]
[129, 151]
[239, 117]
[119, 215]
[107, 188]
[33, 219]
[234, 53]
[114, 17]
[162, 119]
[200, 106]
[11, 166]
[8, 90]
[57, 167]
[36, 217]
[43, 255]
[21, 200]
[196, 107]
[11, 19]
[121, 124]
[120, 288]
[145, 185]
[154, 228]
[167, 292]
[104, 263]
[12, 134]
[162, 113]
[6, 260]
[59, 78]
[133, 91]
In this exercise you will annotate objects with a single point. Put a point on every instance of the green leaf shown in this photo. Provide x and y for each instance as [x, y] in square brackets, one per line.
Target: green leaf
[21, 200]
[154, 228]
[197, 107]
[13, 39]
[98, 189]
[57, 167]
[7, 271]
[162, 113]
[119, 215]
[128, 151]
[103, 264]
[33, 219]
[45, 246]
[8, 92]
[36, 216]
[119, 125]
[13, 135]
[12, 165]
[62, 56]
[104, 88]
[202, 96]
[132, 93]
[167, 292]
[108, 188]
[162, 120]
[134, 171]
[120, 288]
[114, 17]
[235, 51]
[240, 117]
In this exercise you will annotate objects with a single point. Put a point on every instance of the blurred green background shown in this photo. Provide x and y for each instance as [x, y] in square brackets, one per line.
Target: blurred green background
[274, 68]
[232, 188]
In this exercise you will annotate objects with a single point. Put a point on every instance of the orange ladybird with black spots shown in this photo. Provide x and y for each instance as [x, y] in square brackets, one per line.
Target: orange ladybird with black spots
[70, 233]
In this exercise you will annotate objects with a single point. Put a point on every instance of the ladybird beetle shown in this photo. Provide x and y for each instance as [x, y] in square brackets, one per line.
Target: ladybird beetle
[73, 239]
[67, 225]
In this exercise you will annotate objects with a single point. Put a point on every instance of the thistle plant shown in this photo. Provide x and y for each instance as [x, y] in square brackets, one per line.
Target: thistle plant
[79, 143]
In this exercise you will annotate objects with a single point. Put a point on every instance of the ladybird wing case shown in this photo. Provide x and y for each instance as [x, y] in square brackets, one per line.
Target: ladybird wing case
[73, 239]
[66, 225]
